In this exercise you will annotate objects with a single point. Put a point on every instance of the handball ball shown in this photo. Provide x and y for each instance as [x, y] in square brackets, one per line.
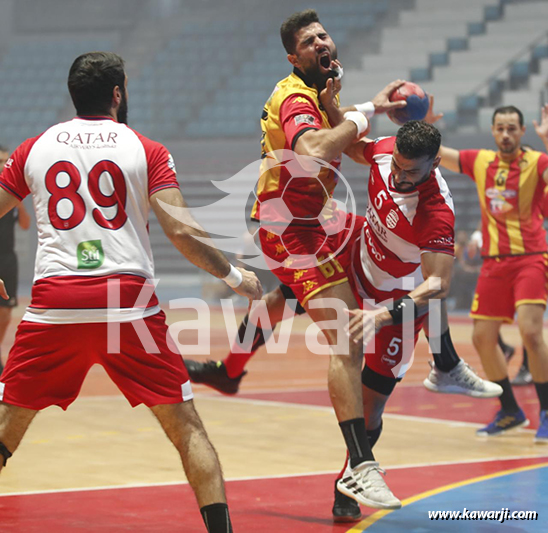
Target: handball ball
[417, 103]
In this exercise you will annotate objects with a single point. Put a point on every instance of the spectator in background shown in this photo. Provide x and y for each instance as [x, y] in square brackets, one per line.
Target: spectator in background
[8, 259]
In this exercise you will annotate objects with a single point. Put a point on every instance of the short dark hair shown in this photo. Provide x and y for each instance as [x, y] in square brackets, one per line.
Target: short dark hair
[92, 78]
[4, 148]
[416, 138]
[293, 24]
[508, 110]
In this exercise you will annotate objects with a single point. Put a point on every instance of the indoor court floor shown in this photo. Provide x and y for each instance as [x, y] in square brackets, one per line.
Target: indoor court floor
[102, 466]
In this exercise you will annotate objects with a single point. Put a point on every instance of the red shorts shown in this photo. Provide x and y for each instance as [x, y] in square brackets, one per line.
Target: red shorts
[308, 260]
[390, 353]
[508, 282]
[48, 363]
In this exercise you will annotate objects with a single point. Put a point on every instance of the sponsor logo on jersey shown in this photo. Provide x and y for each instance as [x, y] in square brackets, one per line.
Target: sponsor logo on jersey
[388, 361]
[378, 256]
[87, 140]
[90, 254]
[445, 241]
[497, 193]
[171, 163]
[304, 119]
[375, 223]
[9, 163]
[392, 219]
[499, 206]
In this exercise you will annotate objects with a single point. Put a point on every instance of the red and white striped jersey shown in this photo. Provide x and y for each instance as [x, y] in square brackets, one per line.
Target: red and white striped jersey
[90, 181]
[398, 228]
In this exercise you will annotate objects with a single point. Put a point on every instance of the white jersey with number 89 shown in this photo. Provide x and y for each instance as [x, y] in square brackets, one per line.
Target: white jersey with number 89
[90, 181]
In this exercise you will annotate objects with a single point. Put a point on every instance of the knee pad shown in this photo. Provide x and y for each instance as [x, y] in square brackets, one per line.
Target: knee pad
[5, 453]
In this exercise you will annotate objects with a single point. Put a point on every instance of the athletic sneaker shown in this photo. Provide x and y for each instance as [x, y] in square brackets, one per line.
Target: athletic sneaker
[365, 484]
[504, 421]
[542, 431]
[523, 377]
[213, 374]
[461, 380]
[345, 509]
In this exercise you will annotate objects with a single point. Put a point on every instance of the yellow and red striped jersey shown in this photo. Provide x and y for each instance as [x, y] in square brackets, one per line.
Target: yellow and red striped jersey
[292, 109]
[511, 196]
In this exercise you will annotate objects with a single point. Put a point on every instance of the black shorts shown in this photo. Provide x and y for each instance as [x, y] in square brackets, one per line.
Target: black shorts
[8, 274]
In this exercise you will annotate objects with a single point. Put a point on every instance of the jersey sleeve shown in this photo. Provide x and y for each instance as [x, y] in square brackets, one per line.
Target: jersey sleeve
[12, 178]
[542, 164]
[382, 145]
[438, 235]
[467, 158]
[160, 167]
[299, 114]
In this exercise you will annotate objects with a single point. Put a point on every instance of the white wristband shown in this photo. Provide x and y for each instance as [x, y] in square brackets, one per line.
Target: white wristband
[359, 119]
[234, 278]
[367, 108]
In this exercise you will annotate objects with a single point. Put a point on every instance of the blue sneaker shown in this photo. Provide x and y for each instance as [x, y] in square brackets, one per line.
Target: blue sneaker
[504, 422]
[542, 431]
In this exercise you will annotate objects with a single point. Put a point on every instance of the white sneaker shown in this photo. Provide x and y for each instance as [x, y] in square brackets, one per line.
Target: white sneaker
[365, 484]
[461, 380]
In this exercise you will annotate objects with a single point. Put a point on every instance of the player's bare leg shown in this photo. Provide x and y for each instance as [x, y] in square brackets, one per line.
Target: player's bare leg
[5, 317]
[362, 480]
[185, 430]
[373, 407]
[530, 322]
[14, 422]
[485, 338]
[449, 373]
[344, 375]
[530, 319]
[225, 376]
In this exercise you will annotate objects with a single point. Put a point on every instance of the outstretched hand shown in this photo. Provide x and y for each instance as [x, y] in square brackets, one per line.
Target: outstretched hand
[361, 326]
[432, 117]
[542, 128]
[382, 101]
[250, 287]
[332, 89]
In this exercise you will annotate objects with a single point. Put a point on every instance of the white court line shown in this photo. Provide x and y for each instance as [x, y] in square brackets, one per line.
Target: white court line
[430, 420]
[281, 476]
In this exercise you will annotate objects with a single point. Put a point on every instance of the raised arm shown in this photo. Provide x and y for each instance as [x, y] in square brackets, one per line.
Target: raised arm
[348, 124]
[542, 131]
[184, 232]
[450, 159]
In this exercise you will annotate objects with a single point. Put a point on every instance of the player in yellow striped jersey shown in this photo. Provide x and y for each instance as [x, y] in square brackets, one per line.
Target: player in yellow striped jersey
[513, 280]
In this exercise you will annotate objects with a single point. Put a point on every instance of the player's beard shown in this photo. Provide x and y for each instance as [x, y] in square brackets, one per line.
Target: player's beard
[123, 109]
[319, 78]
[507, 148]
[409, 187]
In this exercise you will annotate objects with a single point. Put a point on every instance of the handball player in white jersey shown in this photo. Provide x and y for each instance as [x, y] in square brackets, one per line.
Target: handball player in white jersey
[93, 181]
